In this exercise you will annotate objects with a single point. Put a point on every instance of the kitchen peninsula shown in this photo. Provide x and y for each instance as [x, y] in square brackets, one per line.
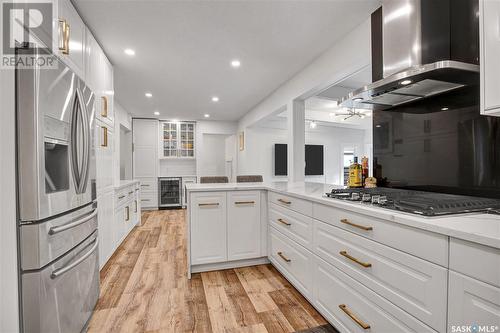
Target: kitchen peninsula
[397, 269]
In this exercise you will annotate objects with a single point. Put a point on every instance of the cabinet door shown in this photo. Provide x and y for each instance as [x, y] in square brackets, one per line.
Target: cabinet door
[71, 37]
[186, 140]
[107, 240]
[243, 225]
[490, 53]
[186, 180]
[471, 302]
[104, 156]
[208, 228]
[145, 137]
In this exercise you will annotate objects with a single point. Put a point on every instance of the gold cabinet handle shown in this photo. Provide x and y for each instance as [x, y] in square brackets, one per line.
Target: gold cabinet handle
[121, 197]
[357, 261]
[64, 32]
[362, 227]
[283, 257]
[284, 222]
[144, 185]
[208, 204]
[127, 209]
[284, 201]
[104, 106]
[145, 200]
[135, 211]
[104, 137]
[244, 202]
[358, 321]
[131, 192]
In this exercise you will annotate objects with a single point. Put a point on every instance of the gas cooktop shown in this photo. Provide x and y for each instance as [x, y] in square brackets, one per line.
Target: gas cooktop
[417, 202]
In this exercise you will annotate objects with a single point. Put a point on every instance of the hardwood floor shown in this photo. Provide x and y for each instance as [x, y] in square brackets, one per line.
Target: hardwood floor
[144, 288]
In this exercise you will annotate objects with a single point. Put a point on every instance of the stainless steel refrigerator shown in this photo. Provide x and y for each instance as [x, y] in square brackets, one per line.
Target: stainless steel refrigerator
[57, 207]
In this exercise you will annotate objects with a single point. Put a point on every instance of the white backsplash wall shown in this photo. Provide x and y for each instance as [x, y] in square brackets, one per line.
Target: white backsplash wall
[177, 167]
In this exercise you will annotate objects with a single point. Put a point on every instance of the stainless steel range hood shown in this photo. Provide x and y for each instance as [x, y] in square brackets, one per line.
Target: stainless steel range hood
[420, 48]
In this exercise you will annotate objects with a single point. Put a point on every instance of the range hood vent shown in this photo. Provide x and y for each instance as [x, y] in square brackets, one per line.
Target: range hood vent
[420, 48]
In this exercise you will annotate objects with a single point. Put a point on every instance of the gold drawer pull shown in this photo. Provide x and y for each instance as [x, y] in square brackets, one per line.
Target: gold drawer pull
[284, 222]
[358, 321]
[121, 197]
[104, 106]
[104, 137]
[283, 257]
[208, 204]
[64, 31]
[244, 202]
[348, 256]
[127, 209]
[145, 200]
[284, 201]
[346, 221]
[131, 192]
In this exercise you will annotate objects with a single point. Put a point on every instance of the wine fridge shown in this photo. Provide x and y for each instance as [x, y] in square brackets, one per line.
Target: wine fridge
[170, 192]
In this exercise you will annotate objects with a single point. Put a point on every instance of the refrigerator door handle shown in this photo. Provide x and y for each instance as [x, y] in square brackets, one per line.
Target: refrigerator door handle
[86, 142]
[56, 230]
[74, 143]
[60, 271]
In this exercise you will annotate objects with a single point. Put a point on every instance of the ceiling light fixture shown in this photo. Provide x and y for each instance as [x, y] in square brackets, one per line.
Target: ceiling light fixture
[235, 63]
[405, 82]
[215, 99]
[129, 52]
[206, 115]
[156, 113]
[148, 95]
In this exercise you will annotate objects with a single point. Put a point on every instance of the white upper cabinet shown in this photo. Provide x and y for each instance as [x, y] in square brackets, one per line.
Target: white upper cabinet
[177, 140]
[70, 38]
[99, 76]
[490, 53]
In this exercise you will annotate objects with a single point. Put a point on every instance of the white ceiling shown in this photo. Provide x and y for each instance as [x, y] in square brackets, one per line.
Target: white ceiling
[184, 48]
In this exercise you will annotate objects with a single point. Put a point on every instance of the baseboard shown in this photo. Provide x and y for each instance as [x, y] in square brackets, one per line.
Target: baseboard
[229, 264]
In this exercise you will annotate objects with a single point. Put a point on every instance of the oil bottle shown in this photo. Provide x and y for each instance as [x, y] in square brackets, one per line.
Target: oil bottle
[355, 174]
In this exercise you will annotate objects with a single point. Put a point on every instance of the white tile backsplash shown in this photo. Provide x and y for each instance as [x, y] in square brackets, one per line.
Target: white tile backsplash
[177, 167]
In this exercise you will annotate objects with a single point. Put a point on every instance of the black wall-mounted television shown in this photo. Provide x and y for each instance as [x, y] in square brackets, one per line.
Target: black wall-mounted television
[314, 160]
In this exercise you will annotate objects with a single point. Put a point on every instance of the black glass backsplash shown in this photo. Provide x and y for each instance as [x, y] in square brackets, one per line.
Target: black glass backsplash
[441, 144]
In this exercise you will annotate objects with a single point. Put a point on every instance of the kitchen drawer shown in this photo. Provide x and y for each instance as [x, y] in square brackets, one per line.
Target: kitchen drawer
[298, 205]
[121, 197]
[472, 302]
[413, 284]
[351, 307]
[149, 199]
[149, 184]
[423, 244]
[294, 225]
[479, 261]
[294, 260]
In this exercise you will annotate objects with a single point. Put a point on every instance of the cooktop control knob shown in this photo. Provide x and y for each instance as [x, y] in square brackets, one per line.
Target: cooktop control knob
[366, 198]
[382, 200]
[375, 199]
[354, 196]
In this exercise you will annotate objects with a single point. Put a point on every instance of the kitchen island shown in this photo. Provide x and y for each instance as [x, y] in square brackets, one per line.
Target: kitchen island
[390, 270]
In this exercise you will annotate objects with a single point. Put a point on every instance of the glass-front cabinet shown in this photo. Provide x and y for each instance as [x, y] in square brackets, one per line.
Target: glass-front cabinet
[178, 139]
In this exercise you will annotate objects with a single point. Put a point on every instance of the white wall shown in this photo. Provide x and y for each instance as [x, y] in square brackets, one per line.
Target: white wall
[205, 144]
[347, 56]
[124, 119]
[213, 156]
[9, 305]
[261, 140]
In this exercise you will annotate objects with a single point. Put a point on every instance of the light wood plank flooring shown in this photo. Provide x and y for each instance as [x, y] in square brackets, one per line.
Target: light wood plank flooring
[144, 288]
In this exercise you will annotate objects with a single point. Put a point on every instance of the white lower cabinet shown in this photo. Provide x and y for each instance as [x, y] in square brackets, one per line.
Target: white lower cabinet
[351, 307]
[105, 224]
[472, 303]
[208, 228]
[243, 225]
[294, 260]
[149, 193]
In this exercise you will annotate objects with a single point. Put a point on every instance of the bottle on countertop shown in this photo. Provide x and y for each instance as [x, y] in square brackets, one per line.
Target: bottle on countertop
[364, 165]
[355, 174]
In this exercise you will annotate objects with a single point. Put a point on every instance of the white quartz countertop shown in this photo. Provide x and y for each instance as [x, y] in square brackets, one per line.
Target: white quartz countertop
[475, 227]
[125, 183]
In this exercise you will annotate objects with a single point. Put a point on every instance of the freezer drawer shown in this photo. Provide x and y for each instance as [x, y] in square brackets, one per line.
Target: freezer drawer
[60, 298]
[42, 243]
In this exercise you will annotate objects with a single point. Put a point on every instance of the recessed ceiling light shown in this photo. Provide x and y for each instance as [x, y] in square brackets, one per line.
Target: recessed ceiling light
[405, 82]
[206, 115]
[378, 126]
[357, 99]
[129, 52]
[444, 108]
[156, 113]
[235, 63]
[215, 99]
[148, 95]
